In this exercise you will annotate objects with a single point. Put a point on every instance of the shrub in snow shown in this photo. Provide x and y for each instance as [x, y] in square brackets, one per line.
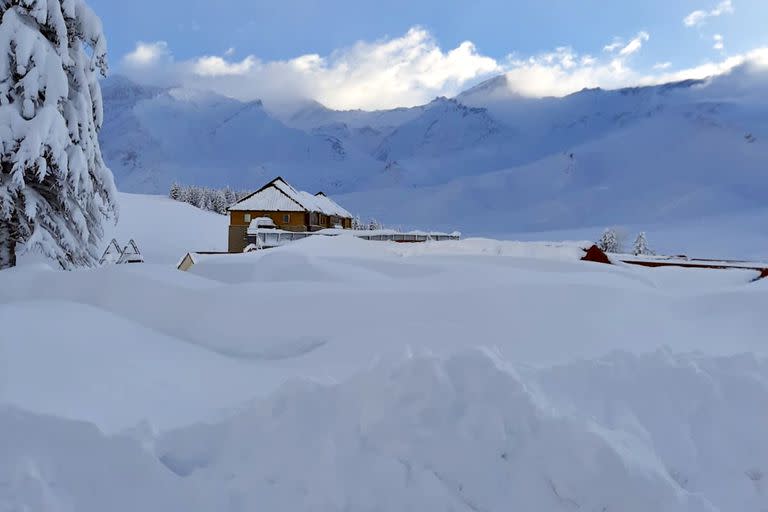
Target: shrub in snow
[640, 247]
[610, 241]
[55, 190]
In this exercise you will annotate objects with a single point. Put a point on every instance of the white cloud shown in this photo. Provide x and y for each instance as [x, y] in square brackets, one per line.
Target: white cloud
[552, 75]
[615, 45]
[719, 42]
[218, 66]
[697, 18]
[557, 74]
[230, 51]
[147, 54]
[407, 70]
[755, 59]
[722, 8]
[565, 71]
[635, 44]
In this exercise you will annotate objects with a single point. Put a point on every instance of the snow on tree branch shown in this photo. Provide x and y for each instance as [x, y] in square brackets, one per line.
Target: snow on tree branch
[55, 190]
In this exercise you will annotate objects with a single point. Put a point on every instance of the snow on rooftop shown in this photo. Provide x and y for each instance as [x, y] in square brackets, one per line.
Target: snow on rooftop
[328, 204]
[270, 199]
[280, 196]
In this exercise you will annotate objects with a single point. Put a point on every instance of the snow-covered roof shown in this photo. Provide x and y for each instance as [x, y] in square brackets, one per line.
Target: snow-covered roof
[330, 205]
[269, 199]
[279, 196]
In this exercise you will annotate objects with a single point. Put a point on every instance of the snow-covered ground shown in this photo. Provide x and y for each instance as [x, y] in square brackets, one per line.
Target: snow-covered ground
[340, 374]
[165, 230]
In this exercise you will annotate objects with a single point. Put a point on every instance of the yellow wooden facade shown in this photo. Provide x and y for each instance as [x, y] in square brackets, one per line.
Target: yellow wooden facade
[314, 216]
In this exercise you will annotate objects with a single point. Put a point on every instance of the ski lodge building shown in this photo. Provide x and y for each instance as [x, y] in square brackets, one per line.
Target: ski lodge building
[288, 208]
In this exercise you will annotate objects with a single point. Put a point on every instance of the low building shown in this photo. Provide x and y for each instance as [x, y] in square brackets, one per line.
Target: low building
[290, 210]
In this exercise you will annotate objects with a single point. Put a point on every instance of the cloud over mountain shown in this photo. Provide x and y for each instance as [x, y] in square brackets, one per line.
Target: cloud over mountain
[409, 70]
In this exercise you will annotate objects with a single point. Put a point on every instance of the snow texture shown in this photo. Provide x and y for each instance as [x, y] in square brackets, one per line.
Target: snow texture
[600, 388]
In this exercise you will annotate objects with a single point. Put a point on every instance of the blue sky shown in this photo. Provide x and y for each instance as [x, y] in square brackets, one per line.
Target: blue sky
[505, 31]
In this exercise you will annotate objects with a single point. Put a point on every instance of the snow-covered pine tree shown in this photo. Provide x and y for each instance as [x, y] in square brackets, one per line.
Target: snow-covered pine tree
[55, 190]
[183, 194]
[219, 202]
[212, 193]
[175, 191]
[609, 241]
[230, 196]
[640, 247]
[205, 199]
[208, 199]
[195, 196]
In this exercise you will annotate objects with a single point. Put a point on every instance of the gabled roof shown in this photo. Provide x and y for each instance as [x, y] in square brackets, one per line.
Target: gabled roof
[330, 205]
[275, 196]
[279, 196]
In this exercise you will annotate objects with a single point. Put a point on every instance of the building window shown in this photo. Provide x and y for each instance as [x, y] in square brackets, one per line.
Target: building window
[247, 218]
[287, 218]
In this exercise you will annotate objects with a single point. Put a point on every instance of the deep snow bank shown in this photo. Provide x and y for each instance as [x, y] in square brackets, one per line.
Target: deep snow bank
[113, 372]
[54, 465]
[663, 432]
[660, 432]
[705, 417]
[118, 343]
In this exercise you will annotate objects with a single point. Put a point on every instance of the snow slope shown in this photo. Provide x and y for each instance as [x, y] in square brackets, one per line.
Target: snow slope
[165, 230]
[152, 137]
[680, 174]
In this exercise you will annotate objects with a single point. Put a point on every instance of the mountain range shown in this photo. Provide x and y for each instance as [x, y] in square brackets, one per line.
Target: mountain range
[486, 161]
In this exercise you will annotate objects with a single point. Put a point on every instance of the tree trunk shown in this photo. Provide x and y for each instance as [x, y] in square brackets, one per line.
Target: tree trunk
[7, 245]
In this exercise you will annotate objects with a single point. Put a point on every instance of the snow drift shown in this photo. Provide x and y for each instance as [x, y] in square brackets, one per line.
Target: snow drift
[413, 436]
[469, 431]
[337, 374]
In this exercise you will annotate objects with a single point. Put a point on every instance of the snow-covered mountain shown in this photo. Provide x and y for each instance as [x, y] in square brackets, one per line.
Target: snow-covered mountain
[487, 161]
[152, 137]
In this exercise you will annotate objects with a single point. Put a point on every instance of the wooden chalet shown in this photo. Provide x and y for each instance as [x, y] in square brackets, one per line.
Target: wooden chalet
[290, 210]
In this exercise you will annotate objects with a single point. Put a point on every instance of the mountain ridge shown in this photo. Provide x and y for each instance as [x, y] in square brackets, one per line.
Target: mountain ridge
[604, 138]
